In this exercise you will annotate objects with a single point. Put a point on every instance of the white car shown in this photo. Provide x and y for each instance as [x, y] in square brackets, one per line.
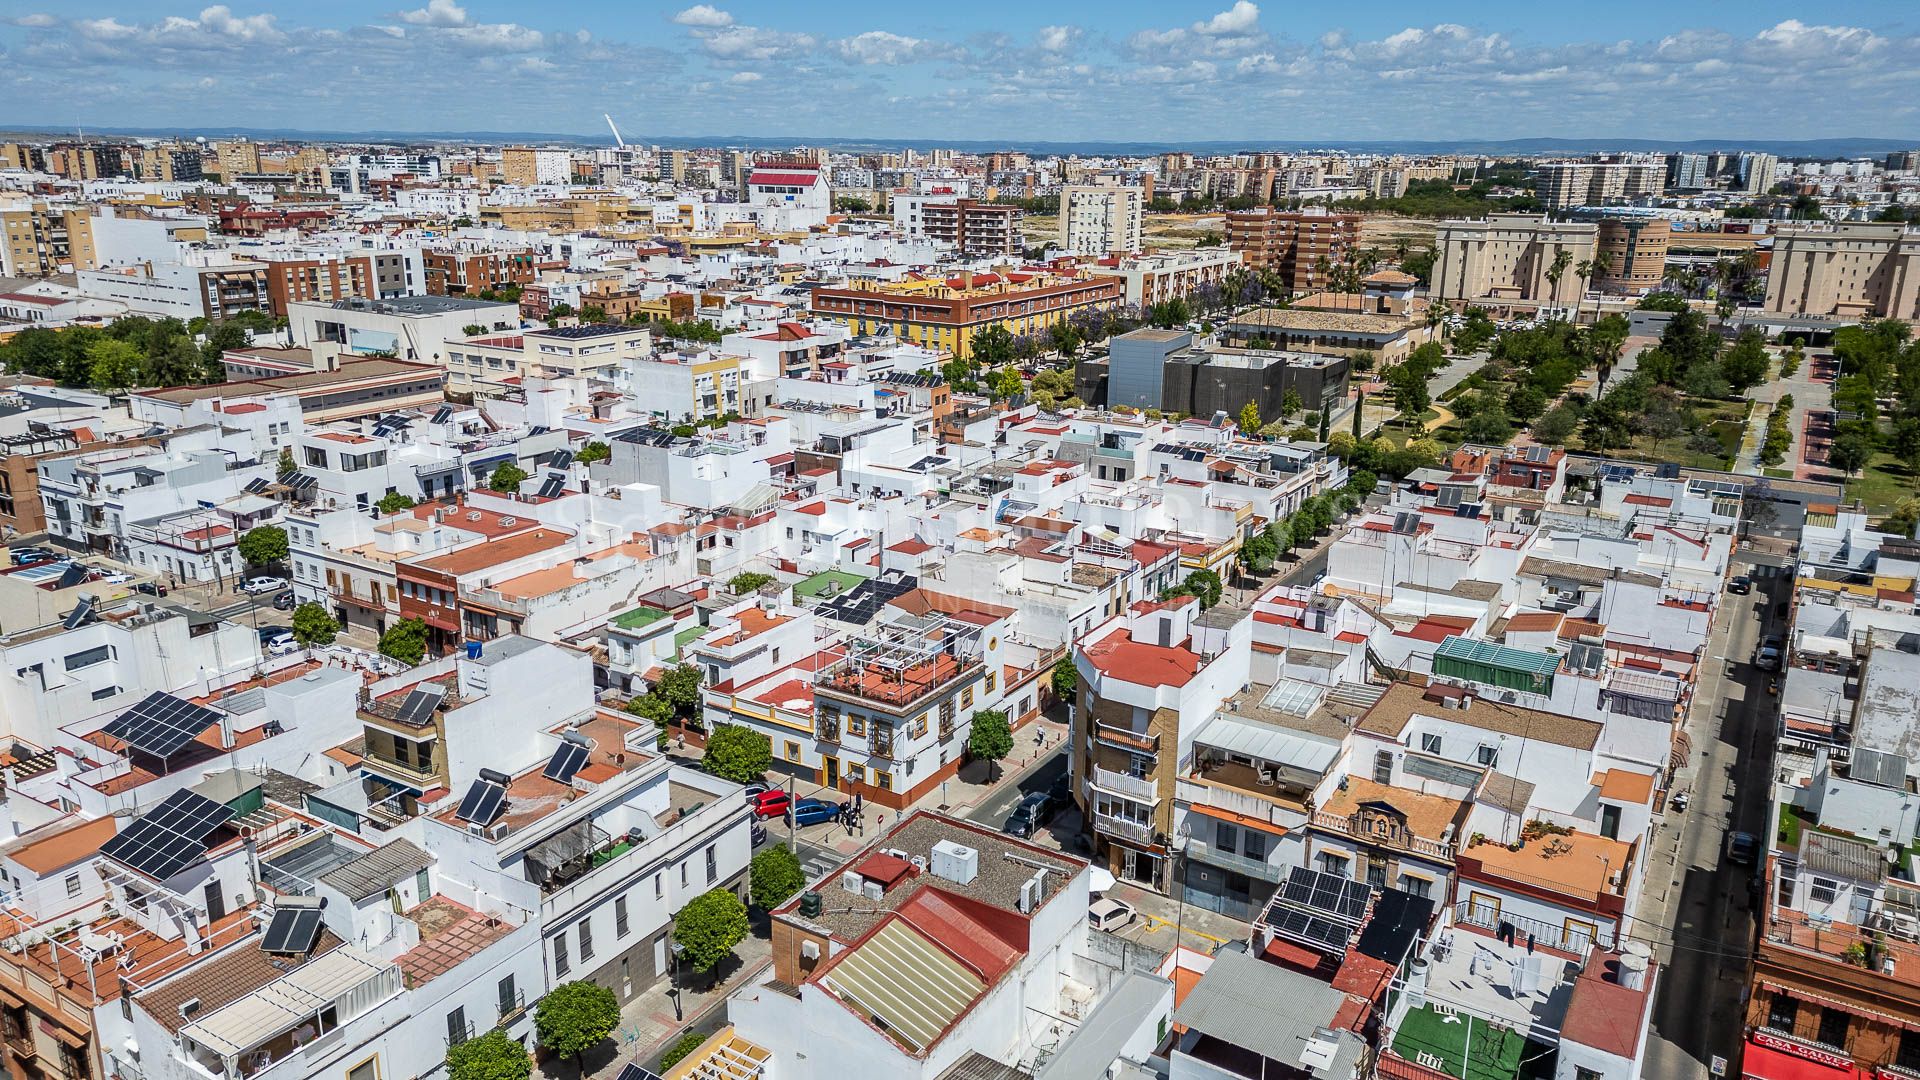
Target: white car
[280, 645]
[254, 586]
[1109, 914]
[116, 578]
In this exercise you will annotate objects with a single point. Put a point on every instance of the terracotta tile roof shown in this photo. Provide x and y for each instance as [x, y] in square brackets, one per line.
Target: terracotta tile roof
[1118, 655]
[1427, 815]
[1398, 705]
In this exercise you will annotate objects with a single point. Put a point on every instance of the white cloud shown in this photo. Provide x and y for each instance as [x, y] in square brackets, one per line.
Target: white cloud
[885, 47]
[752, 43]
[38, 20]
[1238, 19]
[742, 78]
[436, 13]
[704, 15]
[1055, 39]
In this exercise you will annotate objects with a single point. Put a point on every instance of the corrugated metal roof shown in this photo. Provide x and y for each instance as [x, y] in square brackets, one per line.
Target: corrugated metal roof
[378, 870]
[1267, 1009]
[294, 999]
[1268, 743]
[1501, 656]
[911, 987]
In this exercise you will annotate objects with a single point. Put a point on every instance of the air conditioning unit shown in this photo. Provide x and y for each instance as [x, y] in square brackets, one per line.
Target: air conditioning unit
[810, 950]
[873, 890]
[851, 882]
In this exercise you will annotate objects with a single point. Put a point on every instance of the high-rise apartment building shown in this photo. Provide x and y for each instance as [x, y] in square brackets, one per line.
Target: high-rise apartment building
[1853, 269]
[1302, 247]
[43, 239]
[1509, 256]
[972, 228]
[1565, 184]
[1755, 172]
[1100, 220]
[236, 158]
[525, 166]
[1634, 254]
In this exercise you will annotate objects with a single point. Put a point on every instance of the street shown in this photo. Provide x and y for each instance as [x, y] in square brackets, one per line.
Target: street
[1697, 910]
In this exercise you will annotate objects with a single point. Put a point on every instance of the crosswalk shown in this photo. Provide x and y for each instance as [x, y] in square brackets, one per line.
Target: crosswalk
[820, 863]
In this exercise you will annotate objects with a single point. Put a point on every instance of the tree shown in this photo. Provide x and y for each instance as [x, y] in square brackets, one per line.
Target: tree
[313, 625]
[393, 502]
[560, 310]
[1290, 402]
[992, 346]
[1408, 385]
[1660, 300]
[473, 329]
[1006, 383]
[737, 753]
[1489, 424]
[651, 706]
[575, 1016]
[1745, 365]
[748, 581]
[112, 365]
[991, 738]
[1557, 426]
[286, 459]
[1258, 552]
[1557, 269]
[592, 452]
[507, 478]
[1249, 418]
[709, 927]
[852, 204]
[1204, 584]
[1851, 450]
[1065, 679]
[773, 876]
[680, 686]
[405, 641]
[264, 545]
[493, 1056]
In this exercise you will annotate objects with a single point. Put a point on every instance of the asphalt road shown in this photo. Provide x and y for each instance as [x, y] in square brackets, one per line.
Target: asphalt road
[993, 813]
[1697, 908]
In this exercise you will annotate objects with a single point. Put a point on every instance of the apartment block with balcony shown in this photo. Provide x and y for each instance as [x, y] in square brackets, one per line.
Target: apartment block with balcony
[1302, 248]
[90, 497]
[1148, 678]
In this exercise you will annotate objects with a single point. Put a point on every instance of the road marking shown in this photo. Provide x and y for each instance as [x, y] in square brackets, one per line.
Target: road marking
[1160, 922]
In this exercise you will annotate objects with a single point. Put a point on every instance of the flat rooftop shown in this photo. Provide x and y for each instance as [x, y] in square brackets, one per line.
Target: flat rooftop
[417, 305]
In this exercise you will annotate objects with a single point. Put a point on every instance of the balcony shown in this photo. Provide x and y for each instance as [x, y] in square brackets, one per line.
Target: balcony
[1137, 788]
[1258, 869]
[1418, 845]
[1136, 831]
[1139, 741]
[1269, 808]
[410, 772]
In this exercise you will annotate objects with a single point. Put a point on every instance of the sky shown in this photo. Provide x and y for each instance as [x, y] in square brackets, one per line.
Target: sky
[1058, 70]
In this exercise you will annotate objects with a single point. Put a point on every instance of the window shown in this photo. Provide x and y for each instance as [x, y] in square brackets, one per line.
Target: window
[586, 939]
[713, 864]
[1581, 1072]
[560, 964]
[620, 917]
[88, 657]
[1383, 767]
[457, 1026]
[856, 773]
[991, 682]
[1429, 743]
[792, 750]
[73, 884]
[1833, 1027]
[1331, 863]
[509, 1000]
[316, 457]
[919, 727]
[1824, 890]
[883, 780]
[366, 1070]
[1253, 845]
[856, 725]
[1782, 1011]
[966, 698]
[659, 885]
[683, 873]
[1489, 756]
[1418, 886]
[1908, 1055]
[1224, 836]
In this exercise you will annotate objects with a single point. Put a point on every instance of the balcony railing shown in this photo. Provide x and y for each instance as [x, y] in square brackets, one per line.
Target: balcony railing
[1138, 832]
[1419, 845]
[1140, 741]
[405, 770]
[1140, 788]
[1233, 860]
[1197, 792]
[1553, 935]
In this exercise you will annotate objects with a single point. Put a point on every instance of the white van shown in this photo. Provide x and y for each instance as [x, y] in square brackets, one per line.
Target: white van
[1109, 915]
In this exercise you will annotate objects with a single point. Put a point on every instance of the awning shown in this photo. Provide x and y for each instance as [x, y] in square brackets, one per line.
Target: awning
[1765, 1063]
[1239, 819]
[75, 1042]
[1682, 750]
[1268, 743]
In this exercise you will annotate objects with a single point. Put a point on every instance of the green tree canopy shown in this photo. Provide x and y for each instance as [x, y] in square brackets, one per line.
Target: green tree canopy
[393, 502]
[737, 753]
[313, 625]
[709, 927]
[507, 478]
[264, 545]
[113, 365]
[1065, 678]
[991, 737]
[748, 581]
[678, 1049]
[574, 1017]
[680, 686]
[593, 451]
[493, 1056]
[405, 641]
[774, 876]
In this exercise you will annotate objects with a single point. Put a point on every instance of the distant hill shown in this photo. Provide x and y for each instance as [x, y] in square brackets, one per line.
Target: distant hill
[1836, 147]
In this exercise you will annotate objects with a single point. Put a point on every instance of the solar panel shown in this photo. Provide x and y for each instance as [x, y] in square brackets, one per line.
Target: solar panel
[538, 429]
[630, 1071]
[256, 485]
[160, 724]
[567, 759]
[1326, 894]
[170, 837]
[442, 414]
[1311, 929]
[419, 704]
[74, 574]
[81, 614]
[551, 488]
[293, 930]
[561, 460]
[484, 799]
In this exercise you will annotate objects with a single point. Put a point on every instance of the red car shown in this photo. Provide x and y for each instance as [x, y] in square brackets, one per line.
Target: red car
[769, 804]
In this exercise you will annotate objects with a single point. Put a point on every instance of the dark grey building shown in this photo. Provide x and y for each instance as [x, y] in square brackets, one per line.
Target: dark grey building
[1136, 365]
[1203, 380]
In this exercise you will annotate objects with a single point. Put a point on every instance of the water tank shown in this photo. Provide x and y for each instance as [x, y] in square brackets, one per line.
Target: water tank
[473, 650]
[957, 863]
[1633, 971]
[810, 904]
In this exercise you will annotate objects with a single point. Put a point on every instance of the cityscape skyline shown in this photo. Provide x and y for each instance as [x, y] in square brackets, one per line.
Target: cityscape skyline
[1118, 73]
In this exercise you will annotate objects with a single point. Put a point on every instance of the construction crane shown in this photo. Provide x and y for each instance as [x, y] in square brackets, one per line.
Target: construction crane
[617, 140]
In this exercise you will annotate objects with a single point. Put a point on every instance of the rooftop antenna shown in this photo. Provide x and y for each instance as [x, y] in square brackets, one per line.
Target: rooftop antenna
[618, 142]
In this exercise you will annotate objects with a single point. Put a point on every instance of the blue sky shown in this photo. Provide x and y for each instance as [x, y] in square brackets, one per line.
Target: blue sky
[986, 70]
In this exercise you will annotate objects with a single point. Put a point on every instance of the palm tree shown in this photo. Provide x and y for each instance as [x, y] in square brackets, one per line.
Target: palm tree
[1557, 269]
[1587, 270]
[1438, 313]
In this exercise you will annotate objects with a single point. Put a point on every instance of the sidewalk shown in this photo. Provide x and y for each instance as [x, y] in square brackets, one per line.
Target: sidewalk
[647, 1023]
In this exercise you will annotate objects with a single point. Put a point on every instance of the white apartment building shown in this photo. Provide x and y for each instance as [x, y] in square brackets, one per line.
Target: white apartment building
[1100, 220]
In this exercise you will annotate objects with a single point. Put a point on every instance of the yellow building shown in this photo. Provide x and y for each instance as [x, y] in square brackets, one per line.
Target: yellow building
[41, 239]
[946, 313]
[237, 158]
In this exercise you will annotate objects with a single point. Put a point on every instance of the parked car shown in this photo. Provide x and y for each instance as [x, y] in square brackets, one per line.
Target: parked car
[1767, 656]
[1742, 848]
[279, 645]
[151, 588]
[1741, 585]
[23, 556]
[1029, 814]
[273, 630]
[773, 803]
[756, 788]
[1109, 915]
[813, 811]
[756, 834]
[116, 577]
[284, 602]
[254, 586]
[1061, 791]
